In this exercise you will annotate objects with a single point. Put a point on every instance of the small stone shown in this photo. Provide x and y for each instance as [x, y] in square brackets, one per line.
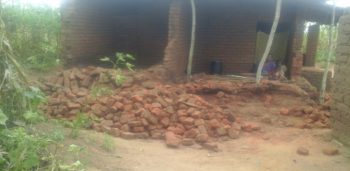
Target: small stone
[308, 110]
[220, 94]
[330, 151]
[303, 151]
[172, 140]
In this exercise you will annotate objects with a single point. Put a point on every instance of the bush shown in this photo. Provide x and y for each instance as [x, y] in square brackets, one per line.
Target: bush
[34, 34]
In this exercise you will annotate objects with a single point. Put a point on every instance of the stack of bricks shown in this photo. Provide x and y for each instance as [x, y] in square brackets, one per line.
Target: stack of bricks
[341, 92]
[297, 65]
[295, 61]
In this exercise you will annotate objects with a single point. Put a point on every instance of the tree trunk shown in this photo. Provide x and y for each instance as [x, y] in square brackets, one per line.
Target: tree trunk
[193, 40]
[270, 41]
[331, 47]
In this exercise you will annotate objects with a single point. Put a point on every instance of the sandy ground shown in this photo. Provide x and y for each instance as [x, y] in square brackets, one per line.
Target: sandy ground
[273, 148]
[273, 151]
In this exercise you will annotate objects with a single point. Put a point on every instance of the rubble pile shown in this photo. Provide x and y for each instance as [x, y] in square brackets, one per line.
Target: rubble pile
[147, 106]
[314, 116]
[143, 110]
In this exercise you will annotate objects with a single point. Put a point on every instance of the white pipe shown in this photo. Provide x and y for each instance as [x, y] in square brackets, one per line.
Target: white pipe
[193, 40]
[270, 41]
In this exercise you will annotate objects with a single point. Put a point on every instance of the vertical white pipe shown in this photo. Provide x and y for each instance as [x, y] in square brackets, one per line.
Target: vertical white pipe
[193, 40]
[270, 41]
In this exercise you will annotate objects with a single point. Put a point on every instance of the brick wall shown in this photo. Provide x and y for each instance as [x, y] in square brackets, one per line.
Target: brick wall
[227, 31]
[91, 29]
[311, 48]
[85, 31]
[341, 91]
[176, 52]
[294, 59]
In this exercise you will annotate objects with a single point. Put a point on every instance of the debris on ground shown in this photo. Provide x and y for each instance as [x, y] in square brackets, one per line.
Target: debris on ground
[147, 106]
[330, 151]
[303, 151]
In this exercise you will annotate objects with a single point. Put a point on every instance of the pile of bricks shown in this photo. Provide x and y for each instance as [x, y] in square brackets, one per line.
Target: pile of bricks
[148, 109]
[146, 106]
[314, 116]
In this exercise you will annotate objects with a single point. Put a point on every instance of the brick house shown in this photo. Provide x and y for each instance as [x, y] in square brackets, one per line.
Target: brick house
[155, 31]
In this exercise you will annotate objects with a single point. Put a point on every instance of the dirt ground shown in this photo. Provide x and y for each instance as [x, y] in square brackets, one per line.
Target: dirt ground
[272, 148]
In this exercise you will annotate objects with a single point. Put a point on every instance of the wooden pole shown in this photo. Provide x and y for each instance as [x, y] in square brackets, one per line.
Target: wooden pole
[193, 40]
[331, 47]
[270, 41]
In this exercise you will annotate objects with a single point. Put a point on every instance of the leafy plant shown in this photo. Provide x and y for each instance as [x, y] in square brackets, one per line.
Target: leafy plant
[107, 143]
[120, 61]
[81, 121]
[23, 151]
[3, 118]
[34, 33]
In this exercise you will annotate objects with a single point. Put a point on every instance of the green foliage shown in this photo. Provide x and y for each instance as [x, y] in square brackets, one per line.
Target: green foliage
[107, 144]
[3, 118]
[120, 61]
[34, 34]
[81, 121]
[23, 150]
[323, 45]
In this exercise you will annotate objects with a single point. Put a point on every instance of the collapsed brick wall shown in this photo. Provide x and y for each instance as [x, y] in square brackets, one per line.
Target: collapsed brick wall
[176, 52]
[311, 47]
[341, 91]
[93, 29]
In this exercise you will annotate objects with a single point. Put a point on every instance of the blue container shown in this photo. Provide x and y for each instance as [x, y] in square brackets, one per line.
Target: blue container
[216, 67]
